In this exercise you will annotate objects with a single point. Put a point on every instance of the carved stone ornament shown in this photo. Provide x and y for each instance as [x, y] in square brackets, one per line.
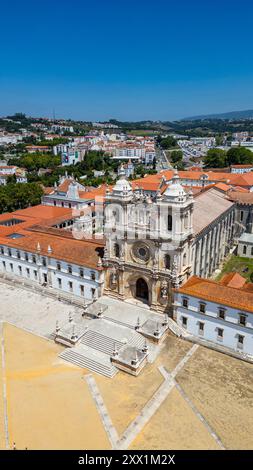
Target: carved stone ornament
[164, 289]
[114, 278]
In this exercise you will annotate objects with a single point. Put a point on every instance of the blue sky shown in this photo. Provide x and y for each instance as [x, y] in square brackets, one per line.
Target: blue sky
[129, 60]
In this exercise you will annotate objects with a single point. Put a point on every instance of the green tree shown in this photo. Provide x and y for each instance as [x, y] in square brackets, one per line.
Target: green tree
[176, 156]
[168, 142]
[215, 158]
[239, 155]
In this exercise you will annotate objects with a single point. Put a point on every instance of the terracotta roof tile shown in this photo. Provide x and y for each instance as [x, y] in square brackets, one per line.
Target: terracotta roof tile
[216, 292]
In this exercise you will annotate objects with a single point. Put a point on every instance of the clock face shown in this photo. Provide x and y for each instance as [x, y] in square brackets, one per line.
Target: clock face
[141, 252]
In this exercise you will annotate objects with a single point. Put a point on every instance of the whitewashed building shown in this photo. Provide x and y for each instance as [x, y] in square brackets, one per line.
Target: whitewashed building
[54, 261]
[217, 312]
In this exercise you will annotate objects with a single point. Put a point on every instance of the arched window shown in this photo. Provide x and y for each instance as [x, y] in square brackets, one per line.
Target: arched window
[116, 250]
[167, 261]
[169, 222]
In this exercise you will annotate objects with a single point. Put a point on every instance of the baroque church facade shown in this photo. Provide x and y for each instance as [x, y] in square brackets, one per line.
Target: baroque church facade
[153, 246]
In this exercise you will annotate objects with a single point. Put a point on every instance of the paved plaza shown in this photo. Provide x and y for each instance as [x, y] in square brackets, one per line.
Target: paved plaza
[188, 397]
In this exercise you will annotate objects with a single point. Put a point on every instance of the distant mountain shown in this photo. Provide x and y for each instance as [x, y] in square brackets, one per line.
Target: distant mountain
[247, 114]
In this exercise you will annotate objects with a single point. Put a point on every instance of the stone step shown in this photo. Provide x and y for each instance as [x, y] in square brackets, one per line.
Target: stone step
[82, 360]
[137, 340]
[128, 325]
[101, 342]
[176, 329]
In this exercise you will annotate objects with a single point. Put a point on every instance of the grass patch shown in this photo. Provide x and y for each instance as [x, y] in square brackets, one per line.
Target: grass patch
[143, 133]
[243, 266]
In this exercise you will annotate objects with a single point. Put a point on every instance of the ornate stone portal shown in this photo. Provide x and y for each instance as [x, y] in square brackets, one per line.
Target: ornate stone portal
[148, 244]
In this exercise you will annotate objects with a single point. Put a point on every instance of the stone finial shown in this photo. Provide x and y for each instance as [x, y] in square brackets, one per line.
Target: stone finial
[145, 347]
[115, 350]
[157, 331]
[135, 359]
[49, 249]
[138, 324]
[57, 328]
[158, 194]
[99, 263]
[74, 335]
[38, 247]
[100, 312]
[165, 322]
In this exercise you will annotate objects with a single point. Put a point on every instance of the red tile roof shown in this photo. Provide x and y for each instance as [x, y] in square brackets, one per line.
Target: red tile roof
[213, 291]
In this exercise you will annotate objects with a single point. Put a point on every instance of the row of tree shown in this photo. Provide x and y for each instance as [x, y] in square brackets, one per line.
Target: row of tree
[35, 161]
[19, 196]
[218, 158]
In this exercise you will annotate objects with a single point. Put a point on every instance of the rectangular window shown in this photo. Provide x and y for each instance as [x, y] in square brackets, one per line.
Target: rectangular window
[93, 276]
[93, 292]
[241, 216]
[11, 266]
[59, 283]
[220, 334]
[201, 328]
[4, 265]
[71, 286]
[184, 321]
[9, 251]
[35, 273]
[2, 250]
[240, 341]
[81, 272]
[244, 249]
[28, 272]
[20, 269]
[221, 313]
[44, 261]
[202, 307]
[185, 303]
[242, 320]
[18, 254]
[82, 290]
[58, 266]
[70, 269]
[34, 259]
[26, 257]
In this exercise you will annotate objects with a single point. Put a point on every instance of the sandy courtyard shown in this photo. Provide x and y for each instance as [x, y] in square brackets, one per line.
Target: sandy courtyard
[49, 405]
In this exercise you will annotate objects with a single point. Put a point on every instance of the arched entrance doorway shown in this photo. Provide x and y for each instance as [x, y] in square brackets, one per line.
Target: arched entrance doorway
[141, 290]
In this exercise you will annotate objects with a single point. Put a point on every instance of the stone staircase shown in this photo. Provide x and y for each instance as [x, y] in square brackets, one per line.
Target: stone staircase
[176, 329]
[87, 358]
[104, 343]
[100, 342]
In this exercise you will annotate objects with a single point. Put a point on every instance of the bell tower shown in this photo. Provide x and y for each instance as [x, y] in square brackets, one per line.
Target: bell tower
[176, 225]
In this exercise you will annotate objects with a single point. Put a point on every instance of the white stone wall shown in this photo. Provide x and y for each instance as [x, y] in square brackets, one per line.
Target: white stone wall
[230, 325]
[92, 287]
[245, 249]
